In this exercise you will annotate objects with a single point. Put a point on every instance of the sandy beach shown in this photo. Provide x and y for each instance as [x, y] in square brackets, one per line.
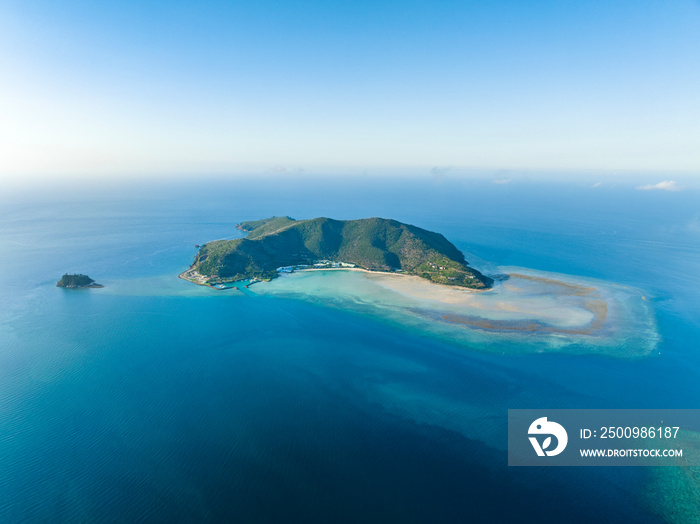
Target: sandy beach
[522, 303]
[529, 303]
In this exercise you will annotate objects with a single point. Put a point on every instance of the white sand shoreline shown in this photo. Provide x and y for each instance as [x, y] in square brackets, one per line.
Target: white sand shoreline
[391, 274]
[517, 304]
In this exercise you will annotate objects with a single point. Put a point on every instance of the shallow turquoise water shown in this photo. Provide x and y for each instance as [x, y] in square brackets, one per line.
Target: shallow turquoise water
[153, 399]
[627, 322]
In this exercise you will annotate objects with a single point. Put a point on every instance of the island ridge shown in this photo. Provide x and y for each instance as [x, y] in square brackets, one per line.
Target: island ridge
[282, 244]
[76, 281]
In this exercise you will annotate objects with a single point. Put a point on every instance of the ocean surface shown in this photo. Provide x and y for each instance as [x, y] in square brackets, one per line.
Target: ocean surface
[153, 399]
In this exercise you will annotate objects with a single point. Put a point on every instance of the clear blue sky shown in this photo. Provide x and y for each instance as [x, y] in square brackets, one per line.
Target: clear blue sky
[188, 87]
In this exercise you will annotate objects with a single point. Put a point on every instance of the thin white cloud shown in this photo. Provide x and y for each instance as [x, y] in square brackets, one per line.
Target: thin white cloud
[666, 185]
[502, 182]
[597, 184]
[440, 171]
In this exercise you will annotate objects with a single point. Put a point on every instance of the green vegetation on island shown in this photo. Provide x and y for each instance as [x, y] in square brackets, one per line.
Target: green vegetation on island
[375, 244]
[77, 280]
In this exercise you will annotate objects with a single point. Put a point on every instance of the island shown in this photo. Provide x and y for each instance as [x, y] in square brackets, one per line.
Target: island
[279, 245]
[76, 281]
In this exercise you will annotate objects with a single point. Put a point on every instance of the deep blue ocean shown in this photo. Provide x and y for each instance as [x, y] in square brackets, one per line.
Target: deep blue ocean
[156, 400]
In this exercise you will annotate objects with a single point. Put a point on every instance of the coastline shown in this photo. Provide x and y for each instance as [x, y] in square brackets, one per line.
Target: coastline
[95, 285]
[523, 303]
[187, 275]
[544, 304]
[191, 275]
[551, 311]
[395, 274]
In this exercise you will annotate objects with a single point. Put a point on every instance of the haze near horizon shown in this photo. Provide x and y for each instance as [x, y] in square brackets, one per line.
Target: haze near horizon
[182, 87]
